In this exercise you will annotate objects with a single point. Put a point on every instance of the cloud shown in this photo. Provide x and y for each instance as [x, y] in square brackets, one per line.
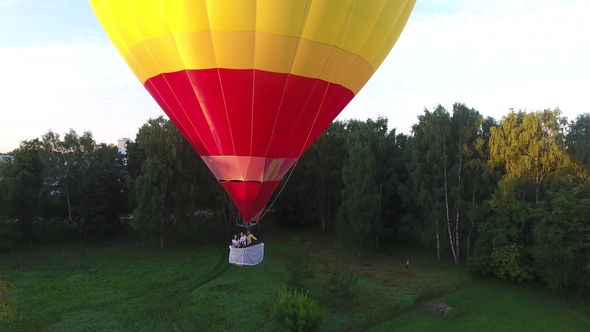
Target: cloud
[57, 86]
[492, 55]
[7, 3]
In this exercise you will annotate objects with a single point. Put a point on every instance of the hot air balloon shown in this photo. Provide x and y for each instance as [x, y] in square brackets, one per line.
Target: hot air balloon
[252, 83]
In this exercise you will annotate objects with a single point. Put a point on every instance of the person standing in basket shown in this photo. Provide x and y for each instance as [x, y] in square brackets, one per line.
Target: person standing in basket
[243, 239]
[251, 238]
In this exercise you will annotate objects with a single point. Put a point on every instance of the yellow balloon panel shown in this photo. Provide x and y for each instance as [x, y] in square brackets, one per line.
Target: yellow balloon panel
[325, 21]
[355, 35]
[196, 50]
[369, 51]
[373, 9]
[338, 64]
[234, 49]
[395, 32]
[357, 75]
[122, 23]
[393, 13]
[285, 17]
[232, 15]
[179, 20]
[148, 17]
[274, 52]
[327, 39]
[243, 50]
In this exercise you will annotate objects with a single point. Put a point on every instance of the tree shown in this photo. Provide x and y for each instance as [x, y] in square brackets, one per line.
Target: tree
[445, 169]
[578, 143]
[369, 177]
[428, 173]
[526, 230]
[28, 182]
[499, 249]
[329, 154]
[531, 148]
[483, 181]
[359, 211]
[84, 183]
[167, 190]
[467, 146]
[562, 240]
[310, 194]
[6, 183]
[398, 209]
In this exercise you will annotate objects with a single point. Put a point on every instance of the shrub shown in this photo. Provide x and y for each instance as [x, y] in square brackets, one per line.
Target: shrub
[301, 271]
[6, 305]
[507, 263]
[338, 282]
[296, 311]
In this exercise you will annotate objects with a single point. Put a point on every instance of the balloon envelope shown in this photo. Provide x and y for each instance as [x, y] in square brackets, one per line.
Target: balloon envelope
[252, 83]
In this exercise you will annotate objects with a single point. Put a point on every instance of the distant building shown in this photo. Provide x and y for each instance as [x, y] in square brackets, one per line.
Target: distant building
[5, 157]
[122, 145]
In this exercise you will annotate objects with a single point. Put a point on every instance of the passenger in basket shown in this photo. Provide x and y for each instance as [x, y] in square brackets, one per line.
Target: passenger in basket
[235, 242]
[243, 239]
[251, 238]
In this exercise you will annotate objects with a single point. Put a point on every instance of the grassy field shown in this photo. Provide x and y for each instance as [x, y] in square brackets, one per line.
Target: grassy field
[138, 287]
[493, 305]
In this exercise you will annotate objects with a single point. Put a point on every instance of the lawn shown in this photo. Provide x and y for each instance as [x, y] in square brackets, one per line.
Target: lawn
[135, 286]
[494, 305]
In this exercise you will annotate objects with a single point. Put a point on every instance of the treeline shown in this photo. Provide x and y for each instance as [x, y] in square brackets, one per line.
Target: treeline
[58, 189]
[510, 198]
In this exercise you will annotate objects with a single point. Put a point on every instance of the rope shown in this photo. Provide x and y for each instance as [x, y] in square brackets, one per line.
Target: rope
[280, 191]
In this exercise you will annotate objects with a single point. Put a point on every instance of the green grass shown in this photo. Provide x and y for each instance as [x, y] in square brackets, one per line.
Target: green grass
[138, 287]
[77, 288]
[494, 305]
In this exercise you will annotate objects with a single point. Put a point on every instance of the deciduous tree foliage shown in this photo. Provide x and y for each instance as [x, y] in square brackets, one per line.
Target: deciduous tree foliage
[499, 250]
[6, 182]
[446, 167]
[562, 240]
[27, 176]
[328, 154]
[167, 191]
[536, 223]
[428, 169]
[74, 181]
[511, 197]
[531, 148]
[578, 143]
[311, 194]
[85, 182]
[368, 180]
[358, 215]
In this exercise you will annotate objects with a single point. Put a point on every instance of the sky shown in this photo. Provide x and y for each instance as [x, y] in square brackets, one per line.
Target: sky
[58, 70]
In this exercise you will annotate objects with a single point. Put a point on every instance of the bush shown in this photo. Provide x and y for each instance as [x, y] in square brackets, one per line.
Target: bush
[6, 305]
[296, 311]
[301, 271]
[339, 282]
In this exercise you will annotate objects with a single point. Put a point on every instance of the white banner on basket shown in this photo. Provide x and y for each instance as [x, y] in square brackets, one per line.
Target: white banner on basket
[251, 255]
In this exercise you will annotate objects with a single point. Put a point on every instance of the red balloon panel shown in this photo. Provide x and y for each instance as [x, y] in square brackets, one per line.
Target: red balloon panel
[248, 112]
[250, 197]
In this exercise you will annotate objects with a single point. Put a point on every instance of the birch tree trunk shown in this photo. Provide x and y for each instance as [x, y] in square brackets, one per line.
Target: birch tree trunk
[162, 233]
[437, 239]
[471, 226]
[447, 208]
[457, 247]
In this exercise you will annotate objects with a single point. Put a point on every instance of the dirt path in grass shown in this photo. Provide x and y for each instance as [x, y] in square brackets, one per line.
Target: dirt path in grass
[177, 311]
